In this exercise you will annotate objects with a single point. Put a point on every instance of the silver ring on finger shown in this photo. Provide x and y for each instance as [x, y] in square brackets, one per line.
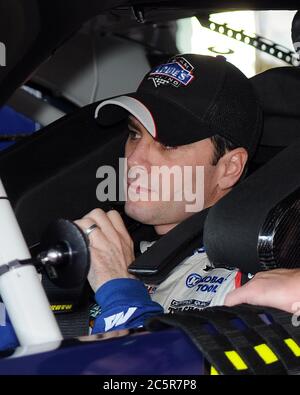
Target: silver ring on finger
[89, 230]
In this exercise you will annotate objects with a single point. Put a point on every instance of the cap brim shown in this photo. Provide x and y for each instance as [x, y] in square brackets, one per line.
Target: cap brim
[116, 109]
[168, 123]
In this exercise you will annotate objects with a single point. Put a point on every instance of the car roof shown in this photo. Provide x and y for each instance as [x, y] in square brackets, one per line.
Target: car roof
[42, 26]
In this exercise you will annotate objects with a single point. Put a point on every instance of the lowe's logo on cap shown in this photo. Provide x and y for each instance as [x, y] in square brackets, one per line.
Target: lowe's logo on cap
[177, 72]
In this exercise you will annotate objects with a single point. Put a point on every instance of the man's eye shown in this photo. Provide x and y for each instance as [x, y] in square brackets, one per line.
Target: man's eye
[134, 135]
[167, 147]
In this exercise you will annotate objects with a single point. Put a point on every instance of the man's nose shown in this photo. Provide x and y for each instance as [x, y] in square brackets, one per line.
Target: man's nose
[139, 155]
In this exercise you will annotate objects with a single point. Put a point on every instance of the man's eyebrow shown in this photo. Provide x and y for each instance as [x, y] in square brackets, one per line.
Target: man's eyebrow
[132, 122]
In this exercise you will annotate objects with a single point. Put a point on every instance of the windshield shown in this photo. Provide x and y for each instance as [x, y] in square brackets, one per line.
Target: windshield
[275, 26]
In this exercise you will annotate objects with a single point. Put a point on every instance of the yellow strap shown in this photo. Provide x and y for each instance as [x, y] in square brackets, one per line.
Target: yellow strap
[266, 353]
[236, 360]
[293, 346]
[213, 371]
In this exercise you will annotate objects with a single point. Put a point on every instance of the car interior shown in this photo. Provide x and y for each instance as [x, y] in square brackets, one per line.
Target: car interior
[52, 174]
[45, 179]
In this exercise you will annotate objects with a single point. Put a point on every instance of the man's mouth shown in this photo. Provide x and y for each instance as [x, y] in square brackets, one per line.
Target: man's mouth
[140, 189]
[137, 188]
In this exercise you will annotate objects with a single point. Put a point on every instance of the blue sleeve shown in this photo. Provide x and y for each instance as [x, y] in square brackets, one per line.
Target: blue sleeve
[125, 303]
[8, 338]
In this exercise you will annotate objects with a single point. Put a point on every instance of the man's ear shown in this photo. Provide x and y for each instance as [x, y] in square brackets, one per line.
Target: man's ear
[231, 167]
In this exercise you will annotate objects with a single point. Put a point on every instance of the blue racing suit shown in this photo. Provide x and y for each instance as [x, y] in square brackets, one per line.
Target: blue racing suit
[125, 303]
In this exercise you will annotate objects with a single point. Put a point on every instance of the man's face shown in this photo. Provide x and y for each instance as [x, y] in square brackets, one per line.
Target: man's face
[147, 201]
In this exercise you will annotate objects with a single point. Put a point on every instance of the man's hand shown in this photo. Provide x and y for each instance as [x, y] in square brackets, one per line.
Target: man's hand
[111, 247]
[279, 288]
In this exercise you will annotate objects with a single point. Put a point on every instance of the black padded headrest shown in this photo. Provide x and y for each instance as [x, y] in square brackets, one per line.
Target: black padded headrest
[278, 91]
[257, 225]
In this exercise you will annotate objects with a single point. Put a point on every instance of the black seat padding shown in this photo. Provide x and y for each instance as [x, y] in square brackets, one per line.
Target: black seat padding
[233, 224]
[278, 91]
[53, 174]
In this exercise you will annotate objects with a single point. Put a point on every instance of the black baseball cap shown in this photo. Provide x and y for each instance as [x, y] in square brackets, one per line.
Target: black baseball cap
[190, 98]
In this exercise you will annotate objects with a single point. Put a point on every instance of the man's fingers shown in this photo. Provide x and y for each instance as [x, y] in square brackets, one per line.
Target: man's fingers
[96, 237]
[255, 292]
[111, 233]
[101, 219]
[238, 296]
[85, 223]
[118, 224]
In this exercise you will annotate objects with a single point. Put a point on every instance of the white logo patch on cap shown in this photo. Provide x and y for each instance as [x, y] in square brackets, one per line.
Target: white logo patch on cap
[177, 72]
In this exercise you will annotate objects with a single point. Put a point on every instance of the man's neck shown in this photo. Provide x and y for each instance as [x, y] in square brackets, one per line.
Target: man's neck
[163, 229]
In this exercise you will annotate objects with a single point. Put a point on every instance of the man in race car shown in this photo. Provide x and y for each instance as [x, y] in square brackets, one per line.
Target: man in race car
[194, 111]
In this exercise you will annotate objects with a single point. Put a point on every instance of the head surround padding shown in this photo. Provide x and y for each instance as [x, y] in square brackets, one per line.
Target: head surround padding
[233, 226]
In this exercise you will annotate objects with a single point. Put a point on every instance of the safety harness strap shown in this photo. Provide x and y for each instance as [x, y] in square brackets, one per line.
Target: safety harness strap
[239, 340]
